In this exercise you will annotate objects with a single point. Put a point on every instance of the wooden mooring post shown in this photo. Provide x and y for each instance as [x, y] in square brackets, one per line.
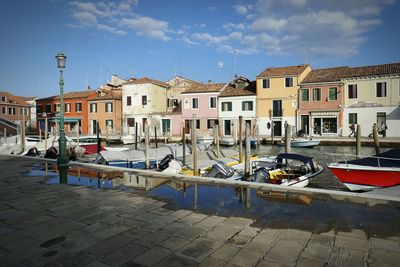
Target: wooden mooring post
[136, 133]
[195, 196]
[358, 140]
[247, 153]
[288, 137]
[183, 146]
[155, 136]
[5, 135]
[248, 198]
[194, 145]
[376, 139]
[98, 137]
[147, 145]
[216, 137]
[240, 139]
[23, 131]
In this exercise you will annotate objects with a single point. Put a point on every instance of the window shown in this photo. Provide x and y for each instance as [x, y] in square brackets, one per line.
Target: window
[93, 107]
[57, 107]
[211, 123]
[265, 83]
[3, 110]
[11, 111]
[195, 103]
[48, 108]
[304, 95]
[131, 122]
[129, 101]
[109, 124]
[289, 82]
[352, 90]
[109, 107]
[78, 107]
[352, 118]
[166, 125]
[144, 100]
[316, 94]
[39, 109]
[3, 99]
[226, 106]
[381, 89]
[23, 111]
[198, 124]
[173, 102]
[247, 105]
[67, 107]
[213, 102]
[333, 94]
[277, 108]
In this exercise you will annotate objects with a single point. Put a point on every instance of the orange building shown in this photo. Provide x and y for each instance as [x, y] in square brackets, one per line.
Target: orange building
[75, 112]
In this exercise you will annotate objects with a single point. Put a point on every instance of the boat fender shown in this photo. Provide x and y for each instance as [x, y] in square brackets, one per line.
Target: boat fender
[164, 163]
[33, 152]
[51, 153]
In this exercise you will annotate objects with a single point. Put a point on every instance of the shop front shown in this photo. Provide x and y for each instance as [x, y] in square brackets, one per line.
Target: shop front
[325, 123]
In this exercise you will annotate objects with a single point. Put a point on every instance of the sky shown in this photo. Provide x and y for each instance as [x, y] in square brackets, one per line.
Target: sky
[200, 40]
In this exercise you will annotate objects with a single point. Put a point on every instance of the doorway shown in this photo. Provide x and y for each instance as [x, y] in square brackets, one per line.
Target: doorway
[277, 130]
[305, 124]
[227, 127]
[94, 126]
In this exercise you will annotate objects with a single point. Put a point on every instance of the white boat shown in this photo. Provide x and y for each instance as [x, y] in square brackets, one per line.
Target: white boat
[204, 139]
[128, 139]
[309, 143]
[227, 141]
[117, 149]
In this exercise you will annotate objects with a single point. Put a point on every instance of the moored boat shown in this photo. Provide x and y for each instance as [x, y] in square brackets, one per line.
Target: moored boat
[306, 143]
[227, 141]
[369, 172]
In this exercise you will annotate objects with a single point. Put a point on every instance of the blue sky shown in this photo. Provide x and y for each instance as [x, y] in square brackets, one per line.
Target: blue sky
[159, 39]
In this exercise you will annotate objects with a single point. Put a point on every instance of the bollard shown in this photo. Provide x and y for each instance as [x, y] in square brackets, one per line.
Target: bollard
[240, 139]
[147, 145]
[358, 140]
[194, 145]
[183, 147]
[288, 133]
[247, 153]
[376, 139]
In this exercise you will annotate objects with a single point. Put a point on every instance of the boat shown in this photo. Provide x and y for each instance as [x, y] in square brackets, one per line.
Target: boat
[116, 149]
[204, 140]
[306, 143]
[369, 172]
[89, 143]
[253, 141]
[227, 141]
[286, 169]
[128, 139]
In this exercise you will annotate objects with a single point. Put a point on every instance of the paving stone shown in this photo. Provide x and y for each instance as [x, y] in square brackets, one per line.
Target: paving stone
[238, 221]
[355, 233]
[111, 219]
[212, 262]
[306, 262]
[193, 218]
[351, 242]
[265, 239]
[298, 236]
[123, 254]
[192, 232]
[239, 240]
[181, 213]
[247, 257]
[175, 227]
[317, 252]
[323, 240]
[109, 231]
[149, 239]
[94, 227]
[174, 243]
[176, 261]
[97, 264]
[5, 230]
[200, 248]
[344, 256]
[222, 232]
[77, 260]
[151, 256]
[250, 231]
[210, 222]
[225, 252]
[390, 245]
[381, 257]
[267, 263]
[106, 246]
[279, 252]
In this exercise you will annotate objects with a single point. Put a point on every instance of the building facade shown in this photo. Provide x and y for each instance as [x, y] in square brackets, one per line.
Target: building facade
[15, 108]
[277, 94]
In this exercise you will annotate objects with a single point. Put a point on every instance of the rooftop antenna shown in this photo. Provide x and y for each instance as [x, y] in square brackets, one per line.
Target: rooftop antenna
[234, 66]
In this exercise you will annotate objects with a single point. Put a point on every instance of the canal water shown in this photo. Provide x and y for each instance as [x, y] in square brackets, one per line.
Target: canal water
[317, 214]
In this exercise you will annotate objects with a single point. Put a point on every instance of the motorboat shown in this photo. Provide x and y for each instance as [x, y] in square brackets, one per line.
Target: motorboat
[89, 143]
[306, 143]
[227, 141]
[204, 140]
[368, 172]
[128, 139]
[253, 141]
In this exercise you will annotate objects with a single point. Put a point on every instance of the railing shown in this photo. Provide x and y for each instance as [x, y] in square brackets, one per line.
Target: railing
[336, 158]
[9, 123]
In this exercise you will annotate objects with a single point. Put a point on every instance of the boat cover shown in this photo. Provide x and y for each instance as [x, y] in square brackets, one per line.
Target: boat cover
[390, 158]
[304, 159]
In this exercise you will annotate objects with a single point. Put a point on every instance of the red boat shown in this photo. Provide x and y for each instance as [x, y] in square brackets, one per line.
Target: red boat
[381, 170]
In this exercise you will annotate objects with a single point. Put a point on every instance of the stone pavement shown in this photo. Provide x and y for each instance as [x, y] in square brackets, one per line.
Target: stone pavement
[61, 225]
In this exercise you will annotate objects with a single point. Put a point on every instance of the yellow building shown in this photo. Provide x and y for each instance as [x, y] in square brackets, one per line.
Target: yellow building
[277, 94]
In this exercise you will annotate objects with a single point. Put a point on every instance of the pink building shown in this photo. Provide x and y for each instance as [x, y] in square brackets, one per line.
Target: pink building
[321, 102]
[201, 100]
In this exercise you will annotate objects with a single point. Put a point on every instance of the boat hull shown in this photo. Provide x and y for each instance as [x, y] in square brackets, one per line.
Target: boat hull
[302, 143]
[355, 176]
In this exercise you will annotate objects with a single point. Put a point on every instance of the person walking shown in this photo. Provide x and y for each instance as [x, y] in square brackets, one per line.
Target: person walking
[372, 131]
[382, 129]
[352, 130]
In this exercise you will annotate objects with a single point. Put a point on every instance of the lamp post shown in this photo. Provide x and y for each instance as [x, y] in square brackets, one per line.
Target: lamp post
[62, 160]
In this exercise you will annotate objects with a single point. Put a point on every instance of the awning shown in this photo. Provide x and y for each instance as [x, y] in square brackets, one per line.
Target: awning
[66, 119]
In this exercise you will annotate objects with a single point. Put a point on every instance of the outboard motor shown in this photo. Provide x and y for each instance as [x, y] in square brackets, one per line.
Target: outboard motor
[100, 160]
[220, 170]
[164, 163]
[71, 153]
[33, 152]
[51, 153]
[261, 175]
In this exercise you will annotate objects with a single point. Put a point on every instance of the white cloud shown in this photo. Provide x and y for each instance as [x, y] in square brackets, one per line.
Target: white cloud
[265, 24]
[242, 9]
[233, 26]
[146, 26]
[84, 18]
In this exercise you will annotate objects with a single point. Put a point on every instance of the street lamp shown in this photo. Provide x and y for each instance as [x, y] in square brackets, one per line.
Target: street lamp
[62, 160]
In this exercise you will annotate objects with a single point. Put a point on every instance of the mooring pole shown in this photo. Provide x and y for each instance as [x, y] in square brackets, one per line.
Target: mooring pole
[45, 134]
[183, 146]
[358, 140]
[240, 139]
[98, 137]
[5, 135]
[155, 135]
[23, 131]
[247, 153]
[194, 145]
[216, 128]
[288, 133]
[136, 132]
[248, 198]
[147, 144]
[195, 196]
[376, 139]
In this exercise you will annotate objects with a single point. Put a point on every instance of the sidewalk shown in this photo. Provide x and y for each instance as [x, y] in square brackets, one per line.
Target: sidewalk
[61, 225]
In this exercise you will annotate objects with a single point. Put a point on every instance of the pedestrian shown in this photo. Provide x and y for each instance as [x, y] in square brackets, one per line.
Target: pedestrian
[372, 131]
[382, 129]
[352, 128]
